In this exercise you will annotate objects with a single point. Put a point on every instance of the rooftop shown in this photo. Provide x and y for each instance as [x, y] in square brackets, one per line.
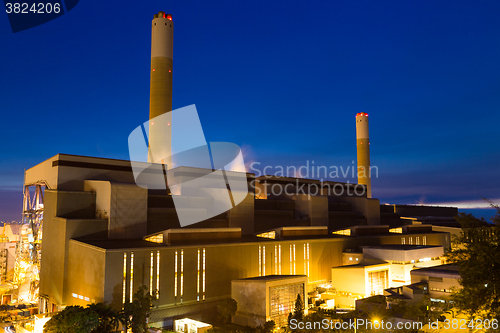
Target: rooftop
[272, 278]
[365, 263]
[448, 270]
[398, 247]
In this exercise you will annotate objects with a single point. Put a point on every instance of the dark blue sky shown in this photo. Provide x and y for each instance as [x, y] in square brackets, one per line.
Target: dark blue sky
[284, 80]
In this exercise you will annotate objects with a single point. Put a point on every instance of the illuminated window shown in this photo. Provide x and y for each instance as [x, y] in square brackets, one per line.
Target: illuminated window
[279, 258]
[417, 240]
[377, 282]
[157, 274]
[396, 230]
[308, 259]
[182, 272]
[275, 259]
[305, 260]
[270, 234]
[403, 240]
[175, 275]
[124, 277]
[410, 241]
[345, 232]
[158, 238]
[151, 270]
[424, 240]
[260, 260]
[293, 259]
[264, 261]
[131, 276]
[203, 273]
[198, 277]
[282, 301]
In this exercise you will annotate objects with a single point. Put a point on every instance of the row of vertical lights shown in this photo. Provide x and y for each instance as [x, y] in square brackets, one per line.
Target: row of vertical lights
[201, 269]
[151, 276]
[277, 259]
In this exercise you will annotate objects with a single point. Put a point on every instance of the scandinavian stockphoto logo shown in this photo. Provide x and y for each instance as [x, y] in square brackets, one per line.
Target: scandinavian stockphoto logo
[27, 14]
[205, 179]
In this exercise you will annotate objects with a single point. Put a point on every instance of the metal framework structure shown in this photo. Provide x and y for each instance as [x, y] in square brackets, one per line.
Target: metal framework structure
[28, 251]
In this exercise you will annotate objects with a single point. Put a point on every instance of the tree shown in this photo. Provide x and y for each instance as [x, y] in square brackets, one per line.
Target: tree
[95, 318]
[135, 315]
[109, 319]
[268, 327]
[73, 319]
[298, 311]
[477, 254]
[226, 309]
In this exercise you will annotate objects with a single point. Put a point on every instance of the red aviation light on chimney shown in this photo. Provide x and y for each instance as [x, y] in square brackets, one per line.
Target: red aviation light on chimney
[362, 114]
[168, 16]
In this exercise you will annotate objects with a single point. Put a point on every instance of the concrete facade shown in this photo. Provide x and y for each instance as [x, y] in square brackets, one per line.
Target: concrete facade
[266, 298]
[89, 250]
[359, 279]
[363, 152]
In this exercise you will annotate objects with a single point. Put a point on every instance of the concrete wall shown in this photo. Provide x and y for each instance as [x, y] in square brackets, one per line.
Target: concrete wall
[67, 172]
[368, 208]
[85, 272]
[410, 210]
[314, 207]
[252, 302]
[43, 172]
[123, 205]
[349, 279]
[242, 216]
[57, 232]
[223, 264]
[440, 284]
[402, 255]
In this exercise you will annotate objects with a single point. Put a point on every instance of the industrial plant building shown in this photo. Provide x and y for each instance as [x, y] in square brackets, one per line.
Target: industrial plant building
[436, 282]
[104, 236]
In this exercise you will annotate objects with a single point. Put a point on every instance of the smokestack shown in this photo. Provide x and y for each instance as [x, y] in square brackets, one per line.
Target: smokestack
[160, 98]
[363, 143]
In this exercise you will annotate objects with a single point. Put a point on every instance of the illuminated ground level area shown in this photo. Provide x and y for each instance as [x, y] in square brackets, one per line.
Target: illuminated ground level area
[104, 237]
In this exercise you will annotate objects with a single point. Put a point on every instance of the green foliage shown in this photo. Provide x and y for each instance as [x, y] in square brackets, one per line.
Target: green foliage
[377, 299]
[73, 319]
[95, 318]
[268, 327]
[226, 310]
[420, 311]
[135, 315]
[109, 319]
[321, 290]
[298, 311]
[477, 253]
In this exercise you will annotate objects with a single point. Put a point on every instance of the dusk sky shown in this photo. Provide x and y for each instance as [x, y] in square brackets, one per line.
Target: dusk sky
[282, 79]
